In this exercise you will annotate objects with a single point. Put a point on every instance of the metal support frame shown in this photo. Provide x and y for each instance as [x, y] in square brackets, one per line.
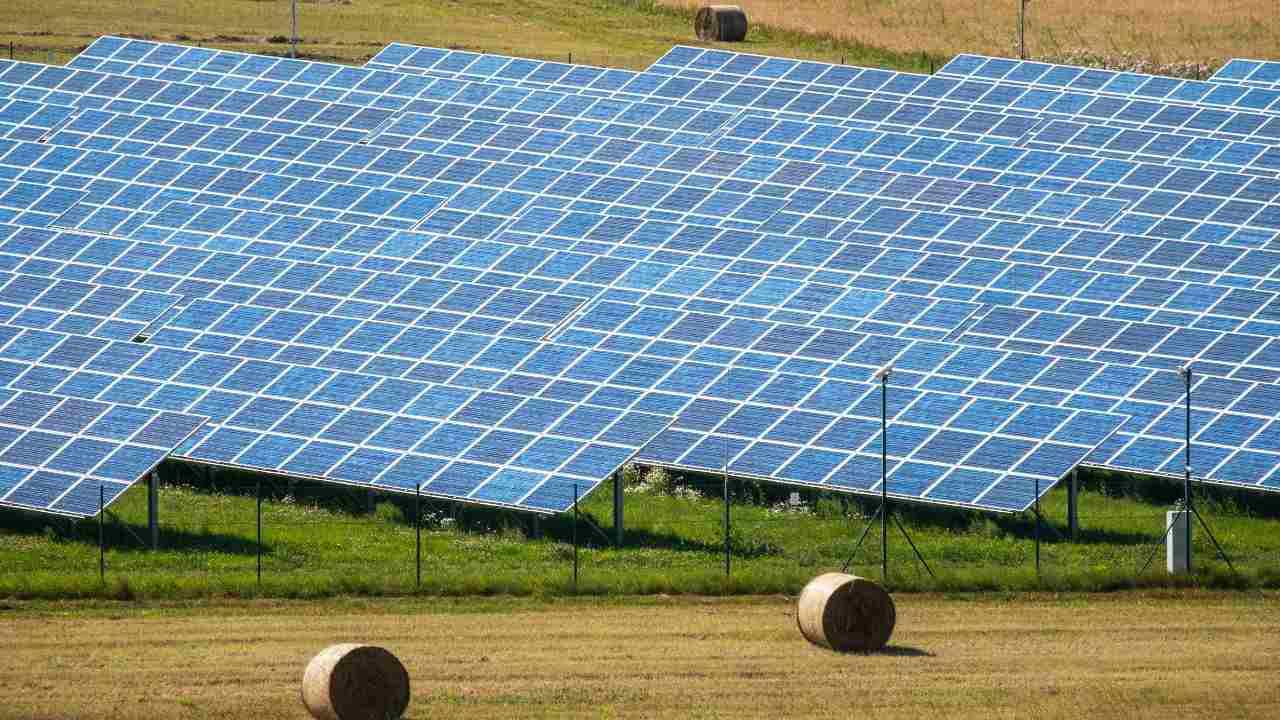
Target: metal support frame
[728, 543]
[153, 507]
[102, 535]
[575, 538]
[1186, 475]
[884, 511]
[1187, 497]
[258, 490]
[1073, 504]
[417, 529]
[1036, 510]
[617, 508]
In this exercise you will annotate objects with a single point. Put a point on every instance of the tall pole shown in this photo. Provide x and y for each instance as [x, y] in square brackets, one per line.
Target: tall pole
[258, 490]
[884, 474]
[417, 528]
[102, 535]
[1037, 511]
[293, 35]
[1186, 477]
[575, 538]
[618, 508]
[727, 551]
[1022, 23]
[153, 507]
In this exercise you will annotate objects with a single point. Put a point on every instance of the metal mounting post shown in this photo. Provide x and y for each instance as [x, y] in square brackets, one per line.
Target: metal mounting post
[102, 536]
[258, 490]
[1037, 514]
[617, 508]
[417, 529]
[153, 507]
[728, 547]
[1186, 476]
[1073, 504]
[575, 538]
[884, 472]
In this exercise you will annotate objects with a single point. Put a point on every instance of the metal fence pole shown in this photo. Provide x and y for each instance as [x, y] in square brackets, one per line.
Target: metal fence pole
[884, 476]
[102, 536]
[1186, 477]
[293, 35]
[575, 538]
[1037, 512]
[728, 548]
[417, 527]
[259, 493]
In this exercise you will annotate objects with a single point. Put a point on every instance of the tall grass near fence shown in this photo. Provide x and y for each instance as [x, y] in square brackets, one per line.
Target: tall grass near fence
[321, 540]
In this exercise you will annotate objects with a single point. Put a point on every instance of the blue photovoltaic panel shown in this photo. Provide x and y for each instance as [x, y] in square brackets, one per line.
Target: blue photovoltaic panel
[66, 455]
[1260, 73]
[503, 277]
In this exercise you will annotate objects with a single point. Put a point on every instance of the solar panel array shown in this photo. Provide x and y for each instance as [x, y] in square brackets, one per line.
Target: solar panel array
[498, 279]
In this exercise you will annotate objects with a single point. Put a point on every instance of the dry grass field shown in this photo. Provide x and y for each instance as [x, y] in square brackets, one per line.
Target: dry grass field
[1127, 656]
[1163, 30]
[619, 33]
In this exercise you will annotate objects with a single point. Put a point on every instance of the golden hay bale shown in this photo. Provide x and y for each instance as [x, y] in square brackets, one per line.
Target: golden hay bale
[355, 682]
[845, 613]
[726, 23]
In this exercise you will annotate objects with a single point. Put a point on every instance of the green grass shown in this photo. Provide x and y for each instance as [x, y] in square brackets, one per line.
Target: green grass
[331, 544]
[315, 547]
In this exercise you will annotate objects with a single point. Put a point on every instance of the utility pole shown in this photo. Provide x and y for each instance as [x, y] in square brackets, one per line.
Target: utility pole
[1022, 29]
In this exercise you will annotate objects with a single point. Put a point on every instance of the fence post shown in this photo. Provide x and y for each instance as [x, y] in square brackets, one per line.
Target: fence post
[259, 493]
[417, 526]
[102, 534]
[575, 538]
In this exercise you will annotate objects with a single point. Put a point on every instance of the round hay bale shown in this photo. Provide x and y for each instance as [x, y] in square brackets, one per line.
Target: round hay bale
[726, 23]
[845, 613]
[355, 682]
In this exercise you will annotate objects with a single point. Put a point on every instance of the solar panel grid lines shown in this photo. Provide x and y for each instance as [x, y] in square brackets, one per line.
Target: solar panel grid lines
[78, 307]
[56, 452]
[160, 337]
[1256, 304]
[1159, 191]
[680, 199]
[1257, 73]
[356, 314]
[1000, 106]
[724, 298]
[1184, 229]
[1066, 383]
[1177, 304]
[344, 425]
[1112, 82]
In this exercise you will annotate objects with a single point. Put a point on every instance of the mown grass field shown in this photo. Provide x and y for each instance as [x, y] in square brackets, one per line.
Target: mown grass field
[320, 541]
[618, 33]
[1204, 31]
[1128, 656]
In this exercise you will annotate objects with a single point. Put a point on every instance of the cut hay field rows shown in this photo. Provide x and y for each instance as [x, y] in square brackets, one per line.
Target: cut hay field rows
[1164, 30]
[1125, 656]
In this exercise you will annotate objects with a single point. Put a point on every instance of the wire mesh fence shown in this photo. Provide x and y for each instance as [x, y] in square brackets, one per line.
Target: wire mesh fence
[316, 539]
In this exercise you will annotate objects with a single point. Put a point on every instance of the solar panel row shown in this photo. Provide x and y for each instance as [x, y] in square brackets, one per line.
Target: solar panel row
[299, 208]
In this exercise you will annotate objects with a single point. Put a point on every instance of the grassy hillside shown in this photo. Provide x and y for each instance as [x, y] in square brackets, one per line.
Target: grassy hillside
[620, 33]
[322, 541]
